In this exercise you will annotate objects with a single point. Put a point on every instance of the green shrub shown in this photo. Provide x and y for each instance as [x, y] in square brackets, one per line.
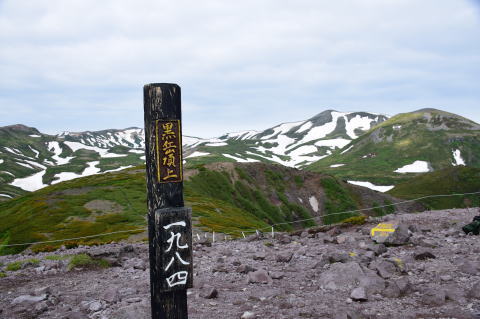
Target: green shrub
[43, 249]
[355, 220]
[16, 265]
[85, 261]
[3, 275]
[57, 257]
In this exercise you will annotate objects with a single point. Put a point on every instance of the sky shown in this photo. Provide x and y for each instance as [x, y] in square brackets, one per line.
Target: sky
[69, 65]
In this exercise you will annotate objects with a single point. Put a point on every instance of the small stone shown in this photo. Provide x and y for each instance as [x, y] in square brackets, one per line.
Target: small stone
[475, 291]
[434, 297]
[424, 255]
[245, 269]
[43, 291]
[359, 294]
[445, 278]
[260, 276]
[259, 256]
[208, 292]
[469, 267]
[27, 299]
[247, 315]
[276, 275]
[95, 306]
[285, 257]
[392, 290]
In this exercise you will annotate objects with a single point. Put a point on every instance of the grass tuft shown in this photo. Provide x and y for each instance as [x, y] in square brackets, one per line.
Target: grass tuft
[85, 261]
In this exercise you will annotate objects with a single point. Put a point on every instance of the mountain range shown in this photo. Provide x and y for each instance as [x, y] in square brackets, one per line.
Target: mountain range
[366, 149]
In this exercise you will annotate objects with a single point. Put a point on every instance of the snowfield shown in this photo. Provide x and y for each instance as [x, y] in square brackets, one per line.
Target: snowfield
[75, 146]
[415, 167]
[241, 160]
[217, 144]
[66, 176]
[333, 143]
[197, 153]
[377, 188]
[30, 183]
[57, 150]
[457, 156]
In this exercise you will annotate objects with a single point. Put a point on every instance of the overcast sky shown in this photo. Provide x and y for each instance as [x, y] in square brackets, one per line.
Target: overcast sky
[250, 64]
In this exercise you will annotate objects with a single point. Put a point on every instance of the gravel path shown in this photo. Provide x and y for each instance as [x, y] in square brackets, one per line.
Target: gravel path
[340, 273]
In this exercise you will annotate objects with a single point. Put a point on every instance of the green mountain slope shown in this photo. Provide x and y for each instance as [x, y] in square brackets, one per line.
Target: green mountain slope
[452, 180]
[30, 160]
[432, 138]
[225, 197]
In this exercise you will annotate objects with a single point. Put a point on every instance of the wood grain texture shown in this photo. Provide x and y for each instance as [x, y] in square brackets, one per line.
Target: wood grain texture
[162, 101]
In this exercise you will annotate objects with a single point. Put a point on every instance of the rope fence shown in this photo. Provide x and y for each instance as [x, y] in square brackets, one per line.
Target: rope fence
[251, 231]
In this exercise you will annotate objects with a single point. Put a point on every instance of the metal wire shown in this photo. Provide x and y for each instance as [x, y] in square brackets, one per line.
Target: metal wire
[252, 230]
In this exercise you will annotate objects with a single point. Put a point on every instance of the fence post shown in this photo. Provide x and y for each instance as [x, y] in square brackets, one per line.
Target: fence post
[169, 222]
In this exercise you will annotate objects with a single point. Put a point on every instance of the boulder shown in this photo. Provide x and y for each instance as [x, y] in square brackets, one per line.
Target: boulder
[424, 255]
[434, 297]
[382, 234]
[359, 294]
[260, 276]
[349, 275]
[208, 292]
[284, 257]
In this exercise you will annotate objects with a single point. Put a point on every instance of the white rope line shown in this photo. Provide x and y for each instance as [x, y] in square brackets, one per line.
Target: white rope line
[84, 237]
[251, 231]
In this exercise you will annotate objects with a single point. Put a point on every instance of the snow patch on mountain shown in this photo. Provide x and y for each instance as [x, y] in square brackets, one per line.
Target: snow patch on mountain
[14, 151]
[243, 135]
[348, 149]
[118, 169]
[66, 176]
[415, 167]
[24, 165]
[337, 142]
[240, 160]
[216, 144]
[8, 173]
[30, 183]
[307, 125]
[323, 130]
[314, 203]
[34, 151]
[55, 148]
[281, 129]
[302, 150]
[1, 161]
[377, 188]
[75, 146]
[5, 195]
[457, 156]
[34, 135]
[337, 165]
[197, 154]
[189, 141]
[358, 122]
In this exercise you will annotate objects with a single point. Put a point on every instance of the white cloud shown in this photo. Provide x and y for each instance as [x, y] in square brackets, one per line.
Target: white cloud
[237, 59]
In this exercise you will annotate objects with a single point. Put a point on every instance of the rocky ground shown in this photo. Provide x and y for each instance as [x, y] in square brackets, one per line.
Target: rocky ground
[432, 272]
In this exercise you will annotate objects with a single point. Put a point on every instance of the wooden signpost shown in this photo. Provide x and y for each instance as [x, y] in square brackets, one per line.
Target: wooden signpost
[169, 222]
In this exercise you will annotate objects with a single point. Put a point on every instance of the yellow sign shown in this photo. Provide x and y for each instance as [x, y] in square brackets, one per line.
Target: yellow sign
[169, 151]
[383, 230]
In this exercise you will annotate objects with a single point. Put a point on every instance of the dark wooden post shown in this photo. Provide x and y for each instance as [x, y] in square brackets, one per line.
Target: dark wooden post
[169, 223]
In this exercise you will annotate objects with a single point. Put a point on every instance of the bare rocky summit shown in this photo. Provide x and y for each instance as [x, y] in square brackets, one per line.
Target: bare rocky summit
[432, 271]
